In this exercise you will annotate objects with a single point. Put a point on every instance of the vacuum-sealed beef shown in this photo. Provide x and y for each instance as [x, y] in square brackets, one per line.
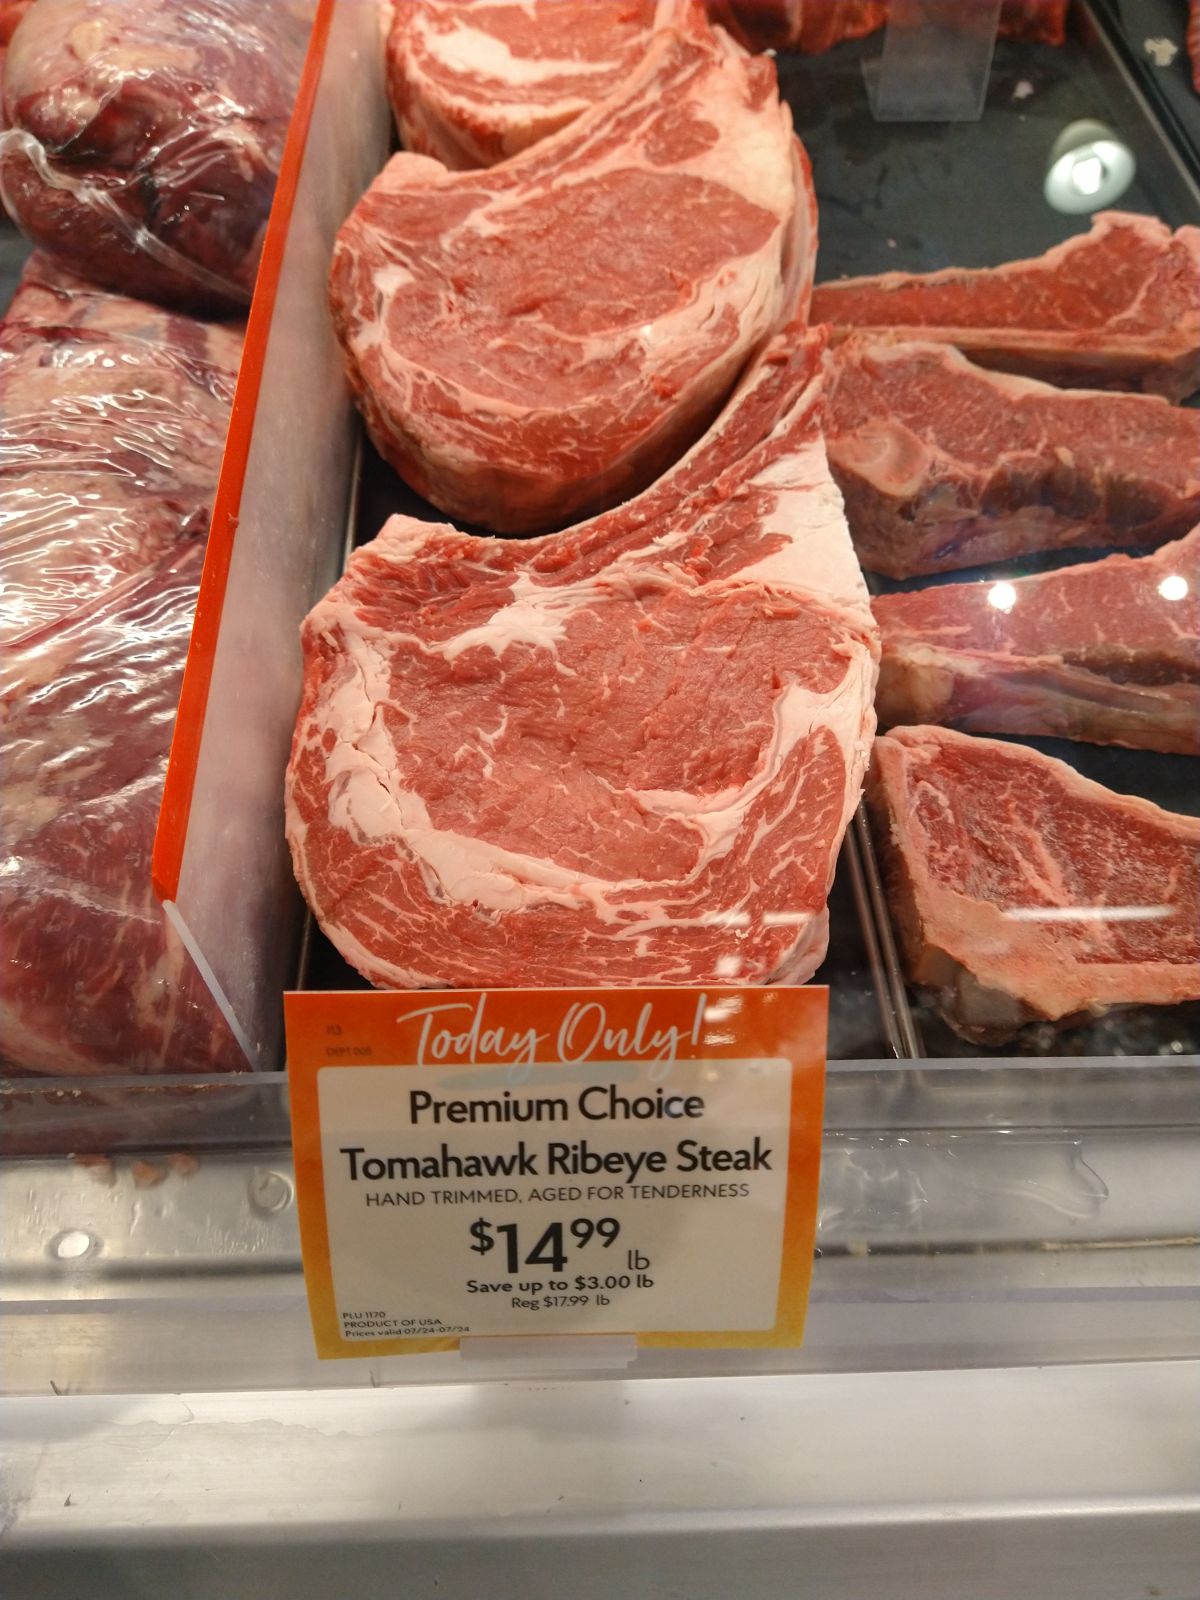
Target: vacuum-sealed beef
[144, 138]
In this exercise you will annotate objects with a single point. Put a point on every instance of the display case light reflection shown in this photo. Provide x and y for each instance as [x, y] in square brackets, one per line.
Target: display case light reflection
[1173, 587]
[1003, 596]
[1089, 167]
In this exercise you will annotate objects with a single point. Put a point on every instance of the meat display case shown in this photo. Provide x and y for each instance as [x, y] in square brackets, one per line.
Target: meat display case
[1004, 1335]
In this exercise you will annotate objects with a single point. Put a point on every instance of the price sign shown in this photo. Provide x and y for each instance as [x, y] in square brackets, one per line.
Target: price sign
[556, 1161]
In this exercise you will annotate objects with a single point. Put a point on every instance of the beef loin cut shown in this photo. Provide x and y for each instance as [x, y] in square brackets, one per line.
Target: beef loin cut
[1118, 307]
[474, 81]
[112, 423]
[538, 341]
[1025, 892]
[944, 464]
[624, 753]
[1108, 651]
[145, 136]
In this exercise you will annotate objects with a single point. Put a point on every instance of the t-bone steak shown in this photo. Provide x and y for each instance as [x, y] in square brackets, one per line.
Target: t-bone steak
[1025, 892]
[1108, 651]
[145, 136]
[945, 465]
[538, 341]
[625, 753]
[1118, 307]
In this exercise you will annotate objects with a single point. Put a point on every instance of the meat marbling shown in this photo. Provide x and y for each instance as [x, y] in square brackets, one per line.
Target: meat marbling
[1116, 307]
[624, 753]
[1025, 892]
[1107, 651]
[536, 342]
[945, 465]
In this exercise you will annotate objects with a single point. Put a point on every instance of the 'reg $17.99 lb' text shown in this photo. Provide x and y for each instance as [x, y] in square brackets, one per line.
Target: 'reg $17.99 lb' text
[458, 1176]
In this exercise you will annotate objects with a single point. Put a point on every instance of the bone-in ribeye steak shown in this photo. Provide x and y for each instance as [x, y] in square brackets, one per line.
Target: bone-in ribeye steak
[624, 753]
[1023, 891]
[539, 340]
[1118, 307]
[475, 81]
[1108, 651]
[945, 465]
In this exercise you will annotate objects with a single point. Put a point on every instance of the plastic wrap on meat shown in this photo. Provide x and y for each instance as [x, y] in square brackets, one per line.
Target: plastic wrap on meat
[112, 423]
[94, 979]
[144, 138]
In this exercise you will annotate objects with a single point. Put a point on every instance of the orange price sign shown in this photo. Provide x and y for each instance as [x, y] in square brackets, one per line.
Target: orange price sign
[557, 1161]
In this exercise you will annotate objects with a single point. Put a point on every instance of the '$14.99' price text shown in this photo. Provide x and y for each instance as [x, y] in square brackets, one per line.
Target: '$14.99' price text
[550, 1249]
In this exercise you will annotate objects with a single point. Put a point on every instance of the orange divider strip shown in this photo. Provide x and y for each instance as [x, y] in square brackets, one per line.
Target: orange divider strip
[193, 700]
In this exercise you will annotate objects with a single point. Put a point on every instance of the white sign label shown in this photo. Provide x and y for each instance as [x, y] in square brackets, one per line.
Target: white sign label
[602, 1198]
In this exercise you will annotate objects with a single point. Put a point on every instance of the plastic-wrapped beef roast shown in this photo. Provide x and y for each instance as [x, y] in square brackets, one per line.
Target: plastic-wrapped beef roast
[112, 422]
[144, 138]
[623, 753]
[537, 341]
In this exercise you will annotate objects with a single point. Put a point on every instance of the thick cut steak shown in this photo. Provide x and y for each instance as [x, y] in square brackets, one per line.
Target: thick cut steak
[539, 340]
[1024, 892]
[1118, 307]
[946, 465]
[145, 136]
[475, 81]
[624, 753]
[1108, 651]
[112, 422]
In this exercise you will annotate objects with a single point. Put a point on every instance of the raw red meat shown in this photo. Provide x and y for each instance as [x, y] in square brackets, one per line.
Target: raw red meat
[625, 753]
[946, 465]
[93, 978]
[540, 340]
[475, 81]
[1193, 41]
[1022, 891]
[112, 422]
[1108, 651]
[145, 135]
[813, 26]
[1116, 307]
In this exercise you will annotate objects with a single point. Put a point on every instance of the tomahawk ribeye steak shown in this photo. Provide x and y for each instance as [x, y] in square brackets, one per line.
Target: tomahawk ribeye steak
[1025, 892]
[1118, 307]
[1108, 651]
[624, 753]
[144, 138]
[539, 340]
[473, 82]
[944, 464]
